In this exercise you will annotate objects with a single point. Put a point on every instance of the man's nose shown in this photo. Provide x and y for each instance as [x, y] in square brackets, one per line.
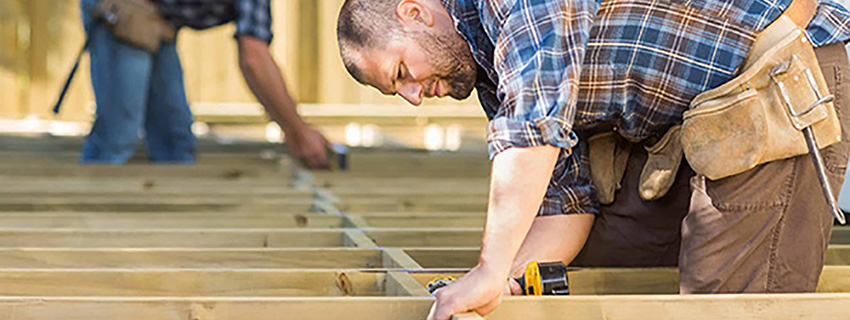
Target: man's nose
[412, 92]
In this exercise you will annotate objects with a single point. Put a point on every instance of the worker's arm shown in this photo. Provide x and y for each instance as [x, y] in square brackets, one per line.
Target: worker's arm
[263, 77]
[519, 180]
[553, 238]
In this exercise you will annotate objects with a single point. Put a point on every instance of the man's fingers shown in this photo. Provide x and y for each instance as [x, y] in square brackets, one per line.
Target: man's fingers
[319, 161]
[489, 307]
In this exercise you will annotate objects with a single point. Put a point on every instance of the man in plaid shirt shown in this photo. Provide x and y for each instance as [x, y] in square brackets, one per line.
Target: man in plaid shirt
[138, 91]
[549, 74]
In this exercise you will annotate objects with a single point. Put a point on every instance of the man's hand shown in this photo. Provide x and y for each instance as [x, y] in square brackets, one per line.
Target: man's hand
[263, 77]
[309, 146]
[481, 290]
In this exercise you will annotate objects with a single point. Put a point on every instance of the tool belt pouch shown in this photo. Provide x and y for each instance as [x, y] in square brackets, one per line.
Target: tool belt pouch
[758, 117]
[662, 164]
[608, 154]
[137, 22]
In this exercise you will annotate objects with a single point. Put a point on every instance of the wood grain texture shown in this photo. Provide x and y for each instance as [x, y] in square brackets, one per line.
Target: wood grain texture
[184, 283]
[648, 282]
[183, 238]
[166, 220]
[437, 237]
[400, 283]
[194, 258]
[662, 307]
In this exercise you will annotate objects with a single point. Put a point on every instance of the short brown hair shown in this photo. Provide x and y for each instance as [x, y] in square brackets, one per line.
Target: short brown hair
[364, 23]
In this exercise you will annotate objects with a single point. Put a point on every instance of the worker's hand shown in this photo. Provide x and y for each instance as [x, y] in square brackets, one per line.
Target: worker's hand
[309, 146]
[480, 290]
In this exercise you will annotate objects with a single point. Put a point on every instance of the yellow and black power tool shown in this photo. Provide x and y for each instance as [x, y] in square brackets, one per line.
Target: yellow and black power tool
[540, 279]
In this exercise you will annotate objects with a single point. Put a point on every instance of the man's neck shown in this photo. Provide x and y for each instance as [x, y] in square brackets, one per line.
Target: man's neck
[450, 7]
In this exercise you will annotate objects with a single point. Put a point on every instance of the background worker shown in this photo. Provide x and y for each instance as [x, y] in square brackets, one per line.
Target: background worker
[551, 76]
[137, 90]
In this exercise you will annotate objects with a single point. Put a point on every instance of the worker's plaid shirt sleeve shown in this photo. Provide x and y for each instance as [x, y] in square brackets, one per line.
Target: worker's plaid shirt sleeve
[538, 55]
[254, 18]
[831, 23]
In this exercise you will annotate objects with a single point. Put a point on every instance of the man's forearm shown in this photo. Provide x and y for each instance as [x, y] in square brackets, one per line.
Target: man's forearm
[553, 238]
[519, 180]
[265, 81]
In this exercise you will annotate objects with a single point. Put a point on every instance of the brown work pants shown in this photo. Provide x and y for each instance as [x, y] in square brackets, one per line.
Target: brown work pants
[765, 230]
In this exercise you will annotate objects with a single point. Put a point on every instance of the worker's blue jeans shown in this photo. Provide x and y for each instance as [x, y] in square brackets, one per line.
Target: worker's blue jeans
[137, 93]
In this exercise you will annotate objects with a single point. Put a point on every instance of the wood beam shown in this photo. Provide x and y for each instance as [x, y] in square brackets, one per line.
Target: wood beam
[413, 204]
[402, 284]
[134, 204]
[147, 188]
[662, 307]
[317, 282]
[650, 281]
[838, 254]
[166, 220]
[194, 258]
[437, 237]
[185, 283]
[397, 258]
[427, 220]
[355, 238]
[445, 258]
[182, 238]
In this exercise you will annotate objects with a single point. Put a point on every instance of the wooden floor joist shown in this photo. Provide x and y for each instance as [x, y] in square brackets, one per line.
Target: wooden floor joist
[316, 282]
[421, 220]
[635, 307]
[219, 173]
[188, 283]
[166, 220]
[650, 281]
[178, 238]
[193, 258]
[231, 238]
[147, 189]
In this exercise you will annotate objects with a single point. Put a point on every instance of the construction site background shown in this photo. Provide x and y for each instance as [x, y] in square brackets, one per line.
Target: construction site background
[40, 38]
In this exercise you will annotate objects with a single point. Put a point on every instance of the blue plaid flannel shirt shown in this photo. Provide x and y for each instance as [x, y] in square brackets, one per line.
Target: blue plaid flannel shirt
[252, 17]
[548, 67]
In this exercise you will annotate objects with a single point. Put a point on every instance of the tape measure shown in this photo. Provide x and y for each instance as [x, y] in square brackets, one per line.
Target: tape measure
[539, 279]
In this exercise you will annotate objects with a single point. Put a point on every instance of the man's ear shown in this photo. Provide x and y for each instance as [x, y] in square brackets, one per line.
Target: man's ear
[415, 11]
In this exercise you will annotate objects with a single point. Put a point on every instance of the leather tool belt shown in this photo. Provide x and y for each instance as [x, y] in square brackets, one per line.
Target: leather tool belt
[759, 116]
[754, 118]
[135, 22]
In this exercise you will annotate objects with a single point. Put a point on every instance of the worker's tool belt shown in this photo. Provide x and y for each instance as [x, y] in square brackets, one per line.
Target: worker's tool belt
[609, 154]
[754, 118]
[136, 22]
[758, 116]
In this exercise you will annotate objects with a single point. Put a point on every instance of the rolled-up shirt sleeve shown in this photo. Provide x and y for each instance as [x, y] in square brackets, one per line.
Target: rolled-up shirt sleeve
[254, 18]
[538, 57]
